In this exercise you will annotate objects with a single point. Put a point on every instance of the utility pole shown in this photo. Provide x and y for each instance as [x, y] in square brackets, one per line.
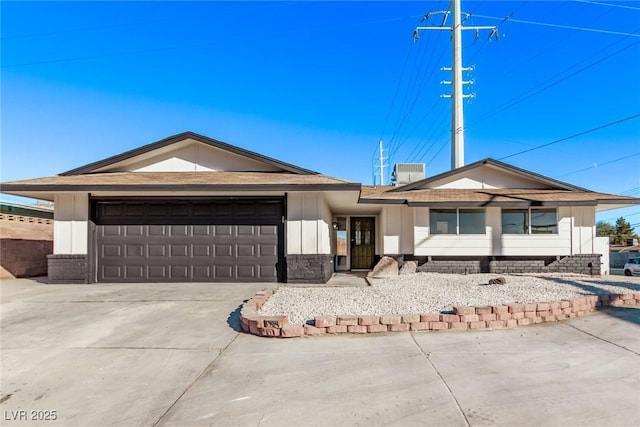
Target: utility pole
[380, 164]
[457, 94]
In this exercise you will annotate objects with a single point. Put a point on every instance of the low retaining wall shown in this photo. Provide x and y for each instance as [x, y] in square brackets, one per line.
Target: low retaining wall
[462, 318]
[25, 243]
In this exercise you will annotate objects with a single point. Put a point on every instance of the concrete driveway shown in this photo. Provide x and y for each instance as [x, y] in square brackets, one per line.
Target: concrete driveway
[168, 355]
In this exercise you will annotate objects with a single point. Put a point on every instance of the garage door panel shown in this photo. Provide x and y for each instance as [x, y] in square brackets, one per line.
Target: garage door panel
[133, 210]
[178, 250]
[155, 250]
[202, 272]
[268, 230]
[110, 230]
[180, 210]
[157, 209]
[269, 209]
[223, 250]
[245, 230]
[135, 230]
[156, 230]
[179, 272]
[266, 271]
[245, 250]
[268, 250]
[201, 230]
[136, 250]
[177, 243]
[246, 272]
[134, 272]
[223, 230]
[113, 272]
[222, 210]
[223, 272]
[202, 210]
[247, 209]
[179, 230]
[156, 272]
[112, 250]
[200, 251]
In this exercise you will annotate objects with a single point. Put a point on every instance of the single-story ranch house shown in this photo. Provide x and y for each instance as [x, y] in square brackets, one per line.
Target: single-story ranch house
[191, 208]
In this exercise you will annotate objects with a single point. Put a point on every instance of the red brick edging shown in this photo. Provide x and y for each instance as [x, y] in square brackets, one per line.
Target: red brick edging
[463, 318]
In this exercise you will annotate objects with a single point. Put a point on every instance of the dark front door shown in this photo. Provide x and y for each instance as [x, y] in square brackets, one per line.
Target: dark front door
[362, 242]
[189, 241]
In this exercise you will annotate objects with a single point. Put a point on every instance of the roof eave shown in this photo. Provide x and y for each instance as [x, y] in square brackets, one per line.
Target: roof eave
[368, 201]
[514, 205]
[47, 188]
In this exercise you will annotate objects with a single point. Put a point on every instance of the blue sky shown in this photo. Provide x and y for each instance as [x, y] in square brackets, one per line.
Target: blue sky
[318, 84]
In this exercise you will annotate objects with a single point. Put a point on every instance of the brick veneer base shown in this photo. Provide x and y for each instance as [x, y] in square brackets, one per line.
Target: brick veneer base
[462, 318]
[314, 269]
[588, 264]
[67, 268]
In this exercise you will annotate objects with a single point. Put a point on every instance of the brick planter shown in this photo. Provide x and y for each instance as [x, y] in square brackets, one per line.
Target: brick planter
[462, 318]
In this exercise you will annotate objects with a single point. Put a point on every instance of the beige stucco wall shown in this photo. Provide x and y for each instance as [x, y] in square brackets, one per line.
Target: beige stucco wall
[486, 177]
[195, 157]
[396, 229]
[602, 247]
[584, 229]
[494, 243]
[308, 224]
[71, 224]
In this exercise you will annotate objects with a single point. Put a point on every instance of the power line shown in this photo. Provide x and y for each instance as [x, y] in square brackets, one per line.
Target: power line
[572, 136]
[566, 27]
[537, 90]
[621, 216]
[631, 190]
[430, 134]
[607, 4]
[438, 152]
[137, 24]
[395, 94]
[596, 165]
[545, 48]
[416, 87]
[419, 93]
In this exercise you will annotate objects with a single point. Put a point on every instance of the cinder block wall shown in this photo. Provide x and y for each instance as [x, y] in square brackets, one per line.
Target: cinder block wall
[309, 268]
[580, 264]
[25, 243]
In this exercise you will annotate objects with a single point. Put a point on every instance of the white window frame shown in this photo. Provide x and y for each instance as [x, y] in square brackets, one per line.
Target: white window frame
[529, 217]
[457, 233]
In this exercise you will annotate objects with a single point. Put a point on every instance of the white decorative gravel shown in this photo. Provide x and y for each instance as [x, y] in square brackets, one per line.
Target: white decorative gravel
[422, 293]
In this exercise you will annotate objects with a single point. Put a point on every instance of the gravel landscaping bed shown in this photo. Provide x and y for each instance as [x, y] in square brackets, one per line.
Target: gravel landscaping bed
[434, 293]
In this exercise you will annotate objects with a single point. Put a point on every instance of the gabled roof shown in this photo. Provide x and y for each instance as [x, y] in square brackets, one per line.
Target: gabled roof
[495, 163]
[100, 164]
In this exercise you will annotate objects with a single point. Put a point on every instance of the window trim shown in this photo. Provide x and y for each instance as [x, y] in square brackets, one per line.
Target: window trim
[457, 233]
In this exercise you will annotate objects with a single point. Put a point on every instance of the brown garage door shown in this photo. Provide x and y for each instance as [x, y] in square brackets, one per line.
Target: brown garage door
[189, 241]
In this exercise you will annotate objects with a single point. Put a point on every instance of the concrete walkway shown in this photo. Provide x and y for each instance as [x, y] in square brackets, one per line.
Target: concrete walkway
[170, 355]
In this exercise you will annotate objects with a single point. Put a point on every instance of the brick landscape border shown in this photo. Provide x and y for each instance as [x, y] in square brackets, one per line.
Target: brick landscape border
[462, 318]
